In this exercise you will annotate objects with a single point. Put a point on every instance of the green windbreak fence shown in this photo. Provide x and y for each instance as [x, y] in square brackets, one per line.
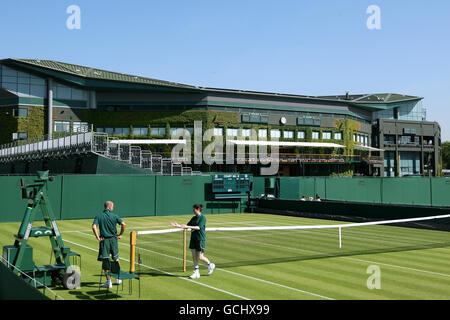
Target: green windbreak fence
[82, 196]
[12, 206]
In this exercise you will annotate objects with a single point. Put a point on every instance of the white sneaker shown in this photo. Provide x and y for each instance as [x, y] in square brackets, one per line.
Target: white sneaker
[211, 268]
[107, 284]
[195, 275]
[118, 281]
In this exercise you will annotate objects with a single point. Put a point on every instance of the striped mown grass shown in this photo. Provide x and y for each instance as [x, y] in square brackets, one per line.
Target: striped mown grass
[259, 265]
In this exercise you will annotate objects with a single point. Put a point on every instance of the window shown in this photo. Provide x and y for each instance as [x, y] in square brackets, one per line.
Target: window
[100, 130]
[80, 126]
[19, 136]
[22, 136]
[158, 131]
[109, 130]
[61, 126]
[218, 131]
[122, 131]
[338, 136]
[315, 134]
[301, 135]
[246, 132]
[275, 133]
[232, 132]
[288, 134]
[389, 139]
[63, 92]
[21, 83]
[20, 112]
[140, 131]
[177, 131]
[326, 135]
[262, 133]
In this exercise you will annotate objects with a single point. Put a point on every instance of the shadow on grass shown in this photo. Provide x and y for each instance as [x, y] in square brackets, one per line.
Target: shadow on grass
[95, 294]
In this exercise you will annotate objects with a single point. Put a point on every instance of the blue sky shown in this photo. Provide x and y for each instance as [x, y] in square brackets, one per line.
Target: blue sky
[306, 47]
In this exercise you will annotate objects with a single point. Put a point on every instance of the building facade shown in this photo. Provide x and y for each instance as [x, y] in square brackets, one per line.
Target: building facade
[376, 134]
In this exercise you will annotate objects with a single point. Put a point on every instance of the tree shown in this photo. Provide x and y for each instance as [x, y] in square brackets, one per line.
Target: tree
[446, 155]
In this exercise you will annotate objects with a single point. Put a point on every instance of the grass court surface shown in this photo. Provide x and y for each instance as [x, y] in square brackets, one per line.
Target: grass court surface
[260, 265]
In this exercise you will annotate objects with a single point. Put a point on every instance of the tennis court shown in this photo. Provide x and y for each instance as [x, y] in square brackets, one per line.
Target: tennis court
[374, 262]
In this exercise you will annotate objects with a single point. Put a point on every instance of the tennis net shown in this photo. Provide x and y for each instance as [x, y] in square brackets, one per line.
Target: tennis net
[167, 250]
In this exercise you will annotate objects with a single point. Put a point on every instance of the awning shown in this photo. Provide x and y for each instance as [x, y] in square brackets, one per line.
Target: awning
[285, 143]
[359, 147]
[149, 141]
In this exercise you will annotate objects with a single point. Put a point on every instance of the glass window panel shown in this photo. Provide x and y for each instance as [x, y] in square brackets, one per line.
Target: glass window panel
[78, 94]
[23, 89]
[326, 135]
[38, 91]
[301, 135]
[109, 130]
[246, 132]
[80, 126]
[275, 133]
[22, 112]
[338, 136]
[288, 134]
[262, 133]
[10, 87]
[37, 80]
[9, 72]
[63, 92]
[24, 80]
[218, 131]
[62, 126]
[158, 131]
[315, 135]
[8, 79]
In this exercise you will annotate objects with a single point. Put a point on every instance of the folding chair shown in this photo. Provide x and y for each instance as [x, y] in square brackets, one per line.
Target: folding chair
[117, 273]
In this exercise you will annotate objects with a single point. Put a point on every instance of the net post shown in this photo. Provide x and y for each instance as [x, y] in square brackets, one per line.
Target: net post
[184, 250]
[132, 251]
[340, 237]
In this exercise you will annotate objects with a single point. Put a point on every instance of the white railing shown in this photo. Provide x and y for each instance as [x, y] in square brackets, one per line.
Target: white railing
[98, 143]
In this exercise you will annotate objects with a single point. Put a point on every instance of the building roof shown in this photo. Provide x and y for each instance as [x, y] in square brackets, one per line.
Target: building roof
[94, 73]
[107, 79]
[376, 98]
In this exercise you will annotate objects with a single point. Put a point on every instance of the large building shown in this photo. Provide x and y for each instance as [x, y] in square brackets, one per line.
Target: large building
[367, 134]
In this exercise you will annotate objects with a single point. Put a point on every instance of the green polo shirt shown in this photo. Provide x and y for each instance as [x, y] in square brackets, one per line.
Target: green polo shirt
[107, 222]
[199, 221]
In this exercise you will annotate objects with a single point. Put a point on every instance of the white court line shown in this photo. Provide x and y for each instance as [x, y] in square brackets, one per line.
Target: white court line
[354, 259]
[235, 273]
[337, 256]
[162, 271]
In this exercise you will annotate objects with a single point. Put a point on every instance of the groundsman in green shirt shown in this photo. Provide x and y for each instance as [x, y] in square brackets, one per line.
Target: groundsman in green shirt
[197, 243]
[107, 222]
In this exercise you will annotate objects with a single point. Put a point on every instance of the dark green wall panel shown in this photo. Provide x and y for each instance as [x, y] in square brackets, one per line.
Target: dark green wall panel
[353, 189]
[414, 191]
[84, 196]
[440, 191]
[176, 195]
[13, 206]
